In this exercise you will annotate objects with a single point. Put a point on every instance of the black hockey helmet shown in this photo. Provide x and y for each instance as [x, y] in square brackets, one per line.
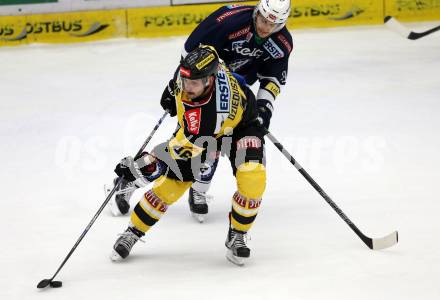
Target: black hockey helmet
[200, 63]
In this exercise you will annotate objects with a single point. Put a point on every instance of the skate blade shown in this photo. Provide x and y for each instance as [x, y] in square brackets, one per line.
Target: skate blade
[115, 257]
[199, 217]
[239, 261]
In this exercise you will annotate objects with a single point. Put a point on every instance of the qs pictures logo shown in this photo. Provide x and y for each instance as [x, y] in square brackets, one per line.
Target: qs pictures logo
[74, 28]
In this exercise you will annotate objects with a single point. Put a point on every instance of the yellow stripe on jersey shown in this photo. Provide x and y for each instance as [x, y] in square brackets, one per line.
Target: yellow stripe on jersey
[273, 88]
[236, 110]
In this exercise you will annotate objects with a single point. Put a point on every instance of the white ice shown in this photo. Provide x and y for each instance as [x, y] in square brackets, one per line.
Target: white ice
[360, 112]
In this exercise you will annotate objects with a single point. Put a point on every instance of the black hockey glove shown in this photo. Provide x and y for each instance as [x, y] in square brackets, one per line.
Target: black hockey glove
[138, 171]
[168, 102]
[264, 112]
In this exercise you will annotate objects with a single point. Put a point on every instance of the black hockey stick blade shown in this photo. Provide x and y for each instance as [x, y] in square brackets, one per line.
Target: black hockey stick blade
[416, 35]
[398, 27]
[48, 282]
[44, 283]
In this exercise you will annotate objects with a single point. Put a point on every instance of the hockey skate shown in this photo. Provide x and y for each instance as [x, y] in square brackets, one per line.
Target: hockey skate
[198, 204]
[120, 203]
[237, 252]
[125, 242]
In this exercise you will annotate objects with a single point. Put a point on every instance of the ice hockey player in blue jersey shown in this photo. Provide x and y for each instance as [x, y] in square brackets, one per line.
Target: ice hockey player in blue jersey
[255, 44]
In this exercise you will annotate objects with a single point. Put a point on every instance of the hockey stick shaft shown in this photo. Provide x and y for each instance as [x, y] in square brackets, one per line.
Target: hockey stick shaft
[108, 198]
[365, 239]
[398, 27]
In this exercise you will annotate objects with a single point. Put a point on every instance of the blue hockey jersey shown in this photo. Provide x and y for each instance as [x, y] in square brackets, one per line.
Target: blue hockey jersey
[230, 29]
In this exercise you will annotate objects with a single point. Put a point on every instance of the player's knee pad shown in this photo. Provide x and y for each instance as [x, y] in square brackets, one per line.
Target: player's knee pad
[170, 190]
[251, 180]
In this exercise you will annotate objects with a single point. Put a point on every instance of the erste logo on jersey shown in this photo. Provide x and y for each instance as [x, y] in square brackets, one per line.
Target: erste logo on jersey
[273, 49]
[192, 118]
[224, 92]
[237, 47]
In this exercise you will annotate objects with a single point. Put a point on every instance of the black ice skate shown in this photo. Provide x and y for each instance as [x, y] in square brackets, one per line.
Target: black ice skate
[198, 205]
[237, 252]
[125, 242]
[120, 203]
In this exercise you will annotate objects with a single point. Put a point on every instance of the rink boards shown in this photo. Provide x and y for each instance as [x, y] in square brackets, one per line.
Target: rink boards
[163, 21]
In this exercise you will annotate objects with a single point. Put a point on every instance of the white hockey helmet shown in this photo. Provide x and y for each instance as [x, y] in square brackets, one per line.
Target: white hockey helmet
[276, 11]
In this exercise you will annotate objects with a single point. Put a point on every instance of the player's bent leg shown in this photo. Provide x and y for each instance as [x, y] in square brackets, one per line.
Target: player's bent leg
[148, 212]
[251, 183]
[170, 190]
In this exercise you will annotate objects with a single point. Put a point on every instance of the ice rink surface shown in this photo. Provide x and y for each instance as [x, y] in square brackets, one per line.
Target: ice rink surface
[360, 112]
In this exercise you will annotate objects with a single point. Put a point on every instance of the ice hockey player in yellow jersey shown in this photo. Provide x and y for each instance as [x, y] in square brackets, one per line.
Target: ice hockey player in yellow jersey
[216, 113]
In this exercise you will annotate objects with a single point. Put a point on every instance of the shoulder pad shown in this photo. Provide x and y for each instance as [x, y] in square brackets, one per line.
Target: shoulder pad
[285, 39]
[232, 10]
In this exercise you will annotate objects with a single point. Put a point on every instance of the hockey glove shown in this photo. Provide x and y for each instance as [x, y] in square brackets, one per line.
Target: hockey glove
[265, 109]
[168, 101]
[141, 172]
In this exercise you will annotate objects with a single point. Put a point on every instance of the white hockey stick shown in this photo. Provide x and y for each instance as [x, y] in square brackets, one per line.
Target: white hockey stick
[398, 27]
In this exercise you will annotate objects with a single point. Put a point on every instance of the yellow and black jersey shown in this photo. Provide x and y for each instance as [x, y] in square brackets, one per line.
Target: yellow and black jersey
[226, 107]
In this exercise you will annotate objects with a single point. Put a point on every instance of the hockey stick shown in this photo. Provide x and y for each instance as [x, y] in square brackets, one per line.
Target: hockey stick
[45, 282]
[375, 244]
[395, 25]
